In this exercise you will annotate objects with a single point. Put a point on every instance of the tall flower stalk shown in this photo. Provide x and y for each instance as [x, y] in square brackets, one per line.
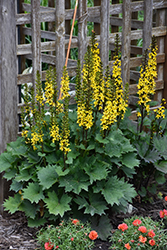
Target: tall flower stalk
[146, 85]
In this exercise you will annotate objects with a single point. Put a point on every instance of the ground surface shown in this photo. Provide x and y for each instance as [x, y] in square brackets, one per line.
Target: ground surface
[15, 235]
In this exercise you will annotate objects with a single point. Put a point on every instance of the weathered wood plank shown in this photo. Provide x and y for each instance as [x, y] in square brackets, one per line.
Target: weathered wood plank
[147, 25]
[36, 39]
[104, 32]
[82, 30]
[93, 12]
[133, 87]
[126, 41]
[8, 81]
[49, 46]
[60, 38]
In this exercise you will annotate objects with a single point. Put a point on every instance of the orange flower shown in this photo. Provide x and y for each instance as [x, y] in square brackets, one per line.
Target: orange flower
[142, 239]
[127, 246]
[163, 213]
[72, 238]
[152, 242]
[165, 198]
[48, 246]
[151, 233]
[93, 235]
[123, 226]
[142, 229]
[136, 222]
[75, 221]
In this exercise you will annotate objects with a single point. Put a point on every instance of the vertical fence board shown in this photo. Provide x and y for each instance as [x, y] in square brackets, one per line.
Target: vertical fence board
[97, 25]
[126, 40]
[165, 64]
[147, 25]
[60, 38]
[36, 38]
[160, 21]
[82, 30]
[104, 32]
[114, 28]
[8, 80]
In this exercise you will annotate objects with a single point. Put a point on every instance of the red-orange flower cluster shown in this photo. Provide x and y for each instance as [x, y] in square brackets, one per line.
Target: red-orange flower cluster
[165, 198]
[151, 233]
[48, 246]
[142, 239]
[152, 242]
[123, 226]
[163, 213]
[127, 246]
[75, 221]
[142, 229]
[136, 222]
[93, 235]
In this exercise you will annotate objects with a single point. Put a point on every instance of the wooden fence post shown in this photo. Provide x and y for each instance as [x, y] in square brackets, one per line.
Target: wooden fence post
[104, 32]
[160, 21]
[147, 25]
[126, 40]
[82, 30]
[36, 39]
[60, 38]
[8, 80]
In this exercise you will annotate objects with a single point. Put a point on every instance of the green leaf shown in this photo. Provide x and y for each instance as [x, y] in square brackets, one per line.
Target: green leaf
[129, 160]
[16, 186]
[94, 204]
[103, 226]
[36, 222]
[51, 158]
[75, 184]
[160, 145]
[152, 156]
[41, 155]
[69, 160]
[161, 166]
[113, 150]
[28, 208]
[90, 147]
[57, 206]
[73, 154]
[142, 192]
[24, 175]
[47, 176]
[160, 178]
[98, 171]
[60, 172]
[33, 193]
[6, 160]
[13, 203]
[146, 121]
[17, 147]
[100, 139]
[10, 173]
[33, 157]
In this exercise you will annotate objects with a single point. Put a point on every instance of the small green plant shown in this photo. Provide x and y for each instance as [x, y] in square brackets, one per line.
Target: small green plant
[139, 233]
[71, 234]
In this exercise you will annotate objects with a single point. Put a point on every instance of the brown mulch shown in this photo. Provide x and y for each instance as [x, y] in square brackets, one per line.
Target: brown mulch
[16, 235]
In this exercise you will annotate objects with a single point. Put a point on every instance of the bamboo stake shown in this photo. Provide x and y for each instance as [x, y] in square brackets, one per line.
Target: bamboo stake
[69, 45]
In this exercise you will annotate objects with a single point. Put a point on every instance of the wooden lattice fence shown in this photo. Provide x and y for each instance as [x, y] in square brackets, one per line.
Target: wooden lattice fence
[19, 20]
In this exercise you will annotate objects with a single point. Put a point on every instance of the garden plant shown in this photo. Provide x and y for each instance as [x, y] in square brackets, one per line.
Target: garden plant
[86, 159]
[71, 234]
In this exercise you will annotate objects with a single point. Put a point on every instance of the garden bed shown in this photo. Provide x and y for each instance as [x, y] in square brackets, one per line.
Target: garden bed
[16, 235]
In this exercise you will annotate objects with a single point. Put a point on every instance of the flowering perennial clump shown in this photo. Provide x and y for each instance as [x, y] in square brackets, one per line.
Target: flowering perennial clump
[71, 234]
[139, 233]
